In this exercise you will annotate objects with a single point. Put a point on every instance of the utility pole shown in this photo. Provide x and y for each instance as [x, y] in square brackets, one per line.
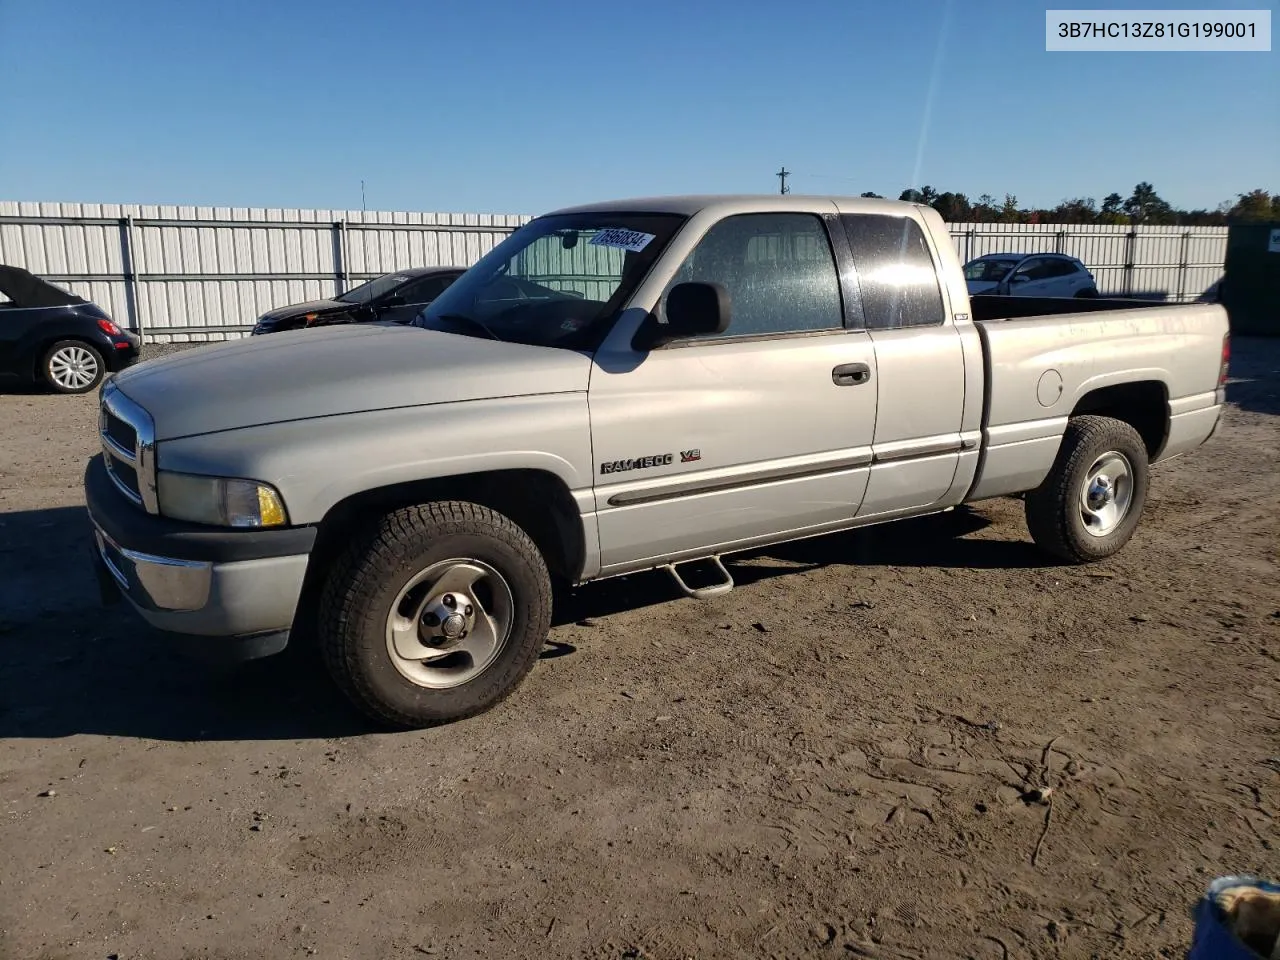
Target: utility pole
[362, 206]
[782, 176]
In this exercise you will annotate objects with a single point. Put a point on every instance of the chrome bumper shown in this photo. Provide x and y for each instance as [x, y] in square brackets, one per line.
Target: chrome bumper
[202, 598]
[162, 583]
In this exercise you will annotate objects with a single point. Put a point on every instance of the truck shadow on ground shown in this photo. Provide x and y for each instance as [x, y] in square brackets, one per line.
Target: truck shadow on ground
[71, 666]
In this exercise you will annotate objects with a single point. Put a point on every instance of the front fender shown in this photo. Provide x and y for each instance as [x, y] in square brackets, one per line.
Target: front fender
[319, 462]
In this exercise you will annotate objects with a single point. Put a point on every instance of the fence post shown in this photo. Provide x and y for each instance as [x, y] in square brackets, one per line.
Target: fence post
[340, 255]
[1130, 246]
[130, 275]
[968, 245]
[1182, 266]
[1061, 242]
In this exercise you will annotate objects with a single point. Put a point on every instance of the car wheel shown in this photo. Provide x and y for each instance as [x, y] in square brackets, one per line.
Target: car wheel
[72, 366]
[436, 615]
[1091, 502]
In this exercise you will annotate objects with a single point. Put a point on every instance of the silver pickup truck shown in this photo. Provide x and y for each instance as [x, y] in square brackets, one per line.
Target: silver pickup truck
[614, 388]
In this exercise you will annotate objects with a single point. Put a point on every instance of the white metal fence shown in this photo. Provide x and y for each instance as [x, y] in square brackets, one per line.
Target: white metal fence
[200, 273]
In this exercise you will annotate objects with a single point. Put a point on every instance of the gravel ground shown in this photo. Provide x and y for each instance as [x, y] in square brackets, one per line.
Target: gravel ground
[829, 761]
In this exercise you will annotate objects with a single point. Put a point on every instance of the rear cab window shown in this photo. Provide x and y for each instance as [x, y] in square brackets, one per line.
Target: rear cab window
[896, 274]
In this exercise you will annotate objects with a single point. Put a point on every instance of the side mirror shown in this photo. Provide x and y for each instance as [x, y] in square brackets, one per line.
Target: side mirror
[1019, 278]
[395, 300]
[694, 309]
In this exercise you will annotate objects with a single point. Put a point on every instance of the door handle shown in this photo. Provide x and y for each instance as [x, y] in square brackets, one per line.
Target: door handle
[850, 374]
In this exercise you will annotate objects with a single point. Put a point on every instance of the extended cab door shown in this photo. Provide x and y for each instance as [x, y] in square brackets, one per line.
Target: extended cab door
[726, 440]
[920, 366]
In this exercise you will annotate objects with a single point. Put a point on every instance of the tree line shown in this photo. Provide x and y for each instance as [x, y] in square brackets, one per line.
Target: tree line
[1143, 206]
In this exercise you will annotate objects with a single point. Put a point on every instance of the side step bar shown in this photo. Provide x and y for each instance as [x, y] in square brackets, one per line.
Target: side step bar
[701, 593]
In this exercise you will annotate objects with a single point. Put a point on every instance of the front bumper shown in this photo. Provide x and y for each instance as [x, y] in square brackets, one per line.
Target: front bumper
[236, 589]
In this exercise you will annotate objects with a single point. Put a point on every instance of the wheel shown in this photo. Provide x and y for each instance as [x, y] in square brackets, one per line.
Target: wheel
[72, 366]
[1091, 502]
[436, 615]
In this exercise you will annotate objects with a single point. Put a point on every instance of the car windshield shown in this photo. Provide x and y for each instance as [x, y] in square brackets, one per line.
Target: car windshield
[993, 270]
[368, 292]
[554, 279]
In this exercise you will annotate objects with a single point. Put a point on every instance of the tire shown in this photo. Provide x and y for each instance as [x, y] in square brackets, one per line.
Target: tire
[1068, 515]
[72, 366]
[384, 589]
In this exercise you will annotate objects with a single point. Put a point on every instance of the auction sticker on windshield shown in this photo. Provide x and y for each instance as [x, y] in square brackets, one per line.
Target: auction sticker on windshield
[621, 239]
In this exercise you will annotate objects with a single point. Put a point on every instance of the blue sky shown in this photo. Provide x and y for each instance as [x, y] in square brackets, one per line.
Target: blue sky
[520, 106]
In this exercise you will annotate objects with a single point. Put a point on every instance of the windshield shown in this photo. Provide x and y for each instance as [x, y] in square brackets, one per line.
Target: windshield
[368, 292]
[993, 270]
[550, 282]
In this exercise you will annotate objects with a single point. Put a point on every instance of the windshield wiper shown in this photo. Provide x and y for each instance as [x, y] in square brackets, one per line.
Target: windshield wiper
[472, 321]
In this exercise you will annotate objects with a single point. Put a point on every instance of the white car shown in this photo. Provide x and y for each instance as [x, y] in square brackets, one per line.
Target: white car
[1029, 275]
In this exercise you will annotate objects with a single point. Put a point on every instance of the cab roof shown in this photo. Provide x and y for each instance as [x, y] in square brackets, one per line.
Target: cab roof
[688, 205]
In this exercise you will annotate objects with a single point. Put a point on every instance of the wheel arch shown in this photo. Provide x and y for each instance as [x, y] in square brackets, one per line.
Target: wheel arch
[32, 353]
[537, 501]
[1143, 404]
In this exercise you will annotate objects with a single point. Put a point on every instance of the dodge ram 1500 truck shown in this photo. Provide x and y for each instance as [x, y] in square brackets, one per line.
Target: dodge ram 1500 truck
[614, 388]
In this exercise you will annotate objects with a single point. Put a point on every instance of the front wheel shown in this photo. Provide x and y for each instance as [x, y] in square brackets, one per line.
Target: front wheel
[72, 366]
[435, 616]
[1091, 502]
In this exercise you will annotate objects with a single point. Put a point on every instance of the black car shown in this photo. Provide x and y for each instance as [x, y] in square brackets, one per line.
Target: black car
[397, 297]
[49, 334]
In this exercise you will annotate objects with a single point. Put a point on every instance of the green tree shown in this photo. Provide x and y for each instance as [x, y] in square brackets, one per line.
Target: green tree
[1077, 210]
[1255, 205]
[953, 207]
[1009, 212]
[1146, 206]
[911, 195]
[985, 209]
[871, 195]
[1112, 209]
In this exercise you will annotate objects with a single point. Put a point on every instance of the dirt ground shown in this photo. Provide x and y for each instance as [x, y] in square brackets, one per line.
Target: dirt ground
[829, 761]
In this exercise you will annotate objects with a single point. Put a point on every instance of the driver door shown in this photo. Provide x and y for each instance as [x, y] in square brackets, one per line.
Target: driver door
[1031, 280]
[715, 443]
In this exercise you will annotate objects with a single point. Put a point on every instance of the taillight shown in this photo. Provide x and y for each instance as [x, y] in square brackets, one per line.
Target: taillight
[1226, 360]
[109, 328]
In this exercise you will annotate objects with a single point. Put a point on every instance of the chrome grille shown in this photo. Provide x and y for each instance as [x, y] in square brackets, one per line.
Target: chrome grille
[119, 431]
[128, 447]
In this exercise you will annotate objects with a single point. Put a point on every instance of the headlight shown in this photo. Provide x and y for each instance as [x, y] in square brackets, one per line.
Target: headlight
[219, 501]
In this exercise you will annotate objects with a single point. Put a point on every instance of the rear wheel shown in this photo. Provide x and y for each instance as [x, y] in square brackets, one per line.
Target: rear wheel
[1091, 502]
[72, 366]
[437, 615]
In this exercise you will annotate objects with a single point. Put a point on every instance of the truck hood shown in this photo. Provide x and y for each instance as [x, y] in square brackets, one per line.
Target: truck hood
[336, 370]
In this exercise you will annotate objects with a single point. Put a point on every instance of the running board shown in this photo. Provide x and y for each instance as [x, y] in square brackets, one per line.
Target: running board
[701, 593]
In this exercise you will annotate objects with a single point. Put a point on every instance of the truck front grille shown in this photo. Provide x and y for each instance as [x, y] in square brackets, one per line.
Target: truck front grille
[122, 433]
[128, 447]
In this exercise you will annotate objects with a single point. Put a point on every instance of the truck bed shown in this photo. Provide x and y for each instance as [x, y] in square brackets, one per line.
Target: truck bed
[1055, 358]
[1016, 308]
